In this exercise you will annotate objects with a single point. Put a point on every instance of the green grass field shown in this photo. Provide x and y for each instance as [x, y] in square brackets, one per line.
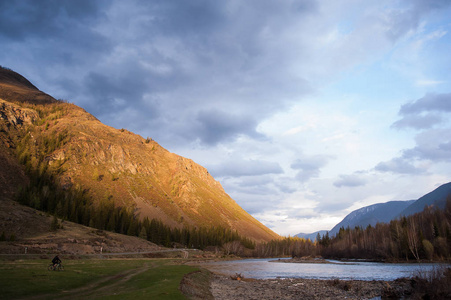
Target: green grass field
[93, 279]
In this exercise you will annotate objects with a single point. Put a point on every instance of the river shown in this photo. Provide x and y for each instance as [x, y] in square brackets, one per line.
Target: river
[267, 269]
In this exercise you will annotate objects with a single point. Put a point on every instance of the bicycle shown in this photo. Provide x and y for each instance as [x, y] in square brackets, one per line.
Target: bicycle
[55, 267]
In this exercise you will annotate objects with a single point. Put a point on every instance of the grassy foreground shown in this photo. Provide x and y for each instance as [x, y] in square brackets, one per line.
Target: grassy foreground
[93, 279]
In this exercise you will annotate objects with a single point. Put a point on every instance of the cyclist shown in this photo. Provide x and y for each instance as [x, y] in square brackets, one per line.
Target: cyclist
[55, 261]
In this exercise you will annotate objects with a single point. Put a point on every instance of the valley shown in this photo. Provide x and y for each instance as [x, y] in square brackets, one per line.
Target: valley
[78, 188]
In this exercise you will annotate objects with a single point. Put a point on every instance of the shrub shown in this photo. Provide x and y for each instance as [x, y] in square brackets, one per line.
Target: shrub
[341, 284]
[54, 226]
[428, 249]
[433, 285]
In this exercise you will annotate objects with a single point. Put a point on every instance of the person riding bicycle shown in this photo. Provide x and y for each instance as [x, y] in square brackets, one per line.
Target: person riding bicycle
[55, 261]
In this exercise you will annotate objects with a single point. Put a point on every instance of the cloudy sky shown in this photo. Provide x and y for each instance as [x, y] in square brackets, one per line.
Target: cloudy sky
[304, 110]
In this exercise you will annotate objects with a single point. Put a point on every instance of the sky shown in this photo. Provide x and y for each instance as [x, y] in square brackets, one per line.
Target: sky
[304, 110]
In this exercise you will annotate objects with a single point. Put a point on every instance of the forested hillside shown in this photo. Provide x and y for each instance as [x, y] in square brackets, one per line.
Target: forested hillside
[422, 236]
[371, 215]
[69, 164]
[425, 235]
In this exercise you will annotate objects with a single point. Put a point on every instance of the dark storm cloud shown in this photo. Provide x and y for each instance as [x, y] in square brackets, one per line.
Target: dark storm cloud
[125, 87]
[217, 125]
[185, 17]
[178, 64]
[53, 40]
[204, 17]
[55, 30]
[108, 95]
[46, 19]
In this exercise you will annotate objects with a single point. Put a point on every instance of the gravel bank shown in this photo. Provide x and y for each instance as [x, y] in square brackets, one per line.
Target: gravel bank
[224, 288]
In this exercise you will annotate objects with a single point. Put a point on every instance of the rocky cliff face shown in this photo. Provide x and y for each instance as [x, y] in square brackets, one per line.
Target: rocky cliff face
[12, 119]
[115, 165]
[14, 115]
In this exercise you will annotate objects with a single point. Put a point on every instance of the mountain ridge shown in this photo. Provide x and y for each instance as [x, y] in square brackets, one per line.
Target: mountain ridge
[385, 212]
[371, 215]
[437, 197]
[112, 165]
[311, 236]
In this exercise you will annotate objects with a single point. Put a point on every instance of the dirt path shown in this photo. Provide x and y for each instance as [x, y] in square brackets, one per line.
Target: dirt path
[99, 287]
[105, 284]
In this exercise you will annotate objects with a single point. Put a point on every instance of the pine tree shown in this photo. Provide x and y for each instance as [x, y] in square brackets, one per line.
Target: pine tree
[54, 226]
[59, 209]
[143, 233]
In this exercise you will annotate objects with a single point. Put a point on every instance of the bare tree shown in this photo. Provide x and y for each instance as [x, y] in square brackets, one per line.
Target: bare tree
[412, 238]
[234, 247]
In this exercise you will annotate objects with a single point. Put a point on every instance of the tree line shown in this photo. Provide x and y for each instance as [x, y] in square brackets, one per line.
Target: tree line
[75, 205]
[288, 246]
[422, 236]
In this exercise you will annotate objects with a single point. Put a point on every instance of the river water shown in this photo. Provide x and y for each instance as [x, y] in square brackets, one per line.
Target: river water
[267, 269]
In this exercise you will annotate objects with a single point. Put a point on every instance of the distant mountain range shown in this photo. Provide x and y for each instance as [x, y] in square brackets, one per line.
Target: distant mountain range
[311, 236]
[372, 214]
[385, 212]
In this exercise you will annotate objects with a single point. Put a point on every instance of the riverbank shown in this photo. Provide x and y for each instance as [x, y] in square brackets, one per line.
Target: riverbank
[303, 260]
[268, 279]
[320, 260]
[224, 288]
